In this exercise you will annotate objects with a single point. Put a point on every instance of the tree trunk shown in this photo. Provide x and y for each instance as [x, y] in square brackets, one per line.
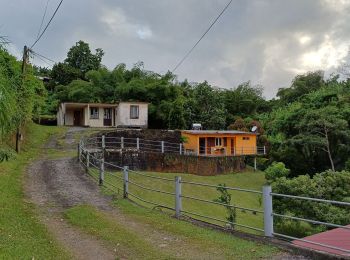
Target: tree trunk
[329, 150]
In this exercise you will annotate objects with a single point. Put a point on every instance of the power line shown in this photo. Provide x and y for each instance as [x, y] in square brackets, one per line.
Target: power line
[194, 46]
[42, 56]
[43, 18]
[47, 25]
[49, 64]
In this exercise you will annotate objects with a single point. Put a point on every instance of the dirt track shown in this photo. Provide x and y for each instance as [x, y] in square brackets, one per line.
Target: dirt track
[57, 184]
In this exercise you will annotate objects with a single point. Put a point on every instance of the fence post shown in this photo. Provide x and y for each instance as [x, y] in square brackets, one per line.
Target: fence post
[79, 151]
[121, 142]
[103, 142]
[138, 143]
[264, 149]
[162, 146]
[102, 172]
[180, 148]
[268, 217]
[126, 181]
[178, 203]
[87, 161]
[255, 163]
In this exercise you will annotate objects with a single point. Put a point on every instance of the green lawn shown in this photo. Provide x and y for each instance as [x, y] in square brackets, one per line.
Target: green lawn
[134, 243]
[22, 236]
[249, 180]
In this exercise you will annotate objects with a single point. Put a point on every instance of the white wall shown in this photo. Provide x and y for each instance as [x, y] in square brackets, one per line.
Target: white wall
[96, 122]
[123, 115]
[60, 115]
[69, 117]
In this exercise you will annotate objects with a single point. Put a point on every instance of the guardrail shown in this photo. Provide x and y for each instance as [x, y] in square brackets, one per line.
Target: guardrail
[94, 165]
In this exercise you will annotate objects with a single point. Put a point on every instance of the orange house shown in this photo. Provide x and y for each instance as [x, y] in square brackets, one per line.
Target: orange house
[220, 143]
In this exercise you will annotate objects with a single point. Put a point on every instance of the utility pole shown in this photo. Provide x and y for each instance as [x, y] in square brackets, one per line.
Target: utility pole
[24, 63]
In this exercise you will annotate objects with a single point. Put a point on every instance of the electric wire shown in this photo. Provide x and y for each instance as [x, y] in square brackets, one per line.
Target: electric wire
[47, 25]
[43, 18]
[195, 45]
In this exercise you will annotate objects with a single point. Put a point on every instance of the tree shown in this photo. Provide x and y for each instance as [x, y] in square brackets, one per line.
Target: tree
[176, 115]
[302, 85]
[208, 107]
[63, 74]
[323, 128]
[244, 100]
[81, 57]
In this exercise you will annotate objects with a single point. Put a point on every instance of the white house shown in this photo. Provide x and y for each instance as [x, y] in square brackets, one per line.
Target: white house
[123, 114]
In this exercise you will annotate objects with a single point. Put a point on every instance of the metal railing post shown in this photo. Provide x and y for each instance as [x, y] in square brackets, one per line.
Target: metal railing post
[162, 142]
[79, 151]
[87, 161]
[268, 212]
[103, 142]
[178, 203]
[126, 181]
[121, 142]
[102, 172]
[180, 148]
[138, 143]
[255, 163]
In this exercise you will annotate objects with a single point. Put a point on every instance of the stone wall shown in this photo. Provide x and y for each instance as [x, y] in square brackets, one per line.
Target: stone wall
[176, 163]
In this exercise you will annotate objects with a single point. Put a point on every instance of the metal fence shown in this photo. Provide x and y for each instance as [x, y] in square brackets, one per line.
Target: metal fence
[90, 156]
[117, 143]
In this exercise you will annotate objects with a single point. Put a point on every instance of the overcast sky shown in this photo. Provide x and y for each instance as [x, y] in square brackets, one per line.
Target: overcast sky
[267, 42]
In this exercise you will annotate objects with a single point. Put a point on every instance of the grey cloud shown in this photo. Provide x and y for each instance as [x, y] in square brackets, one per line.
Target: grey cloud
[256, 40]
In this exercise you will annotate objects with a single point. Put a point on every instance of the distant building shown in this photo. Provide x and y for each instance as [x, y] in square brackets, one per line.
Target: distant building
[123, 114]
[221, 143]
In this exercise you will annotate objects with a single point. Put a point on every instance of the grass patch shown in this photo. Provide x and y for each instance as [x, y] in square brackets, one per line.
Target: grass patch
[98, 224]
[224, 245]
[22, 236]
[249, 180]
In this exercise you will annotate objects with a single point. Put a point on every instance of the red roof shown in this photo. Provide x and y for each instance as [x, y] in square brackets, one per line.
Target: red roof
[338, 237]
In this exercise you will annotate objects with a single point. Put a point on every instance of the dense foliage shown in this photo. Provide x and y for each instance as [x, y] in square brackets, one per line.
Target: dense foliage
[326, 185]
[21, 97]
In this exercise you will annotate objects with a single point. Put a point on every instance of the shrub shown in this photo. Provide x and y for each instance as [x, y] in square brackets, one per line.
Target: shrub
[347, 165]
[328, 185]
[276, 170]
[225, 198]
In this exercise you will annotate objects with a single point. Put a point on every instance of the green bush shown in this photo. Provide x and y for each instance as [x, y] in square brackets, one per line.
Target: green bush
[276, 170]
[347, 165]
[328, 185]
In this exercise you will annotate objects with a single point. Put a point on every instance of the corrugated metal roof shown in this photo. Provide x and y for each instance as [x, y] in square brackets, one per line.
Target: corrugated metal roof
[338, 237]
[196, 132]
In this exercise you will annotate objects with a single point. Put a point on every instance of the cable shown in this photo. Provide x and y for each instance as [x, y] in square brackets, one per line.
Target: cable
[42, 56]
[43, 18]
[194, 46]
[43, 60]
[47, 25]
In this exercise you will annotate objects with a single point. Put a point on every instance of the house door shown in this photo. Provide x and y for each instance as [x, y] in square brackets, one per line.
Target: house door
[77, 117]
[107, 119]
[233, 146]
[201, 145]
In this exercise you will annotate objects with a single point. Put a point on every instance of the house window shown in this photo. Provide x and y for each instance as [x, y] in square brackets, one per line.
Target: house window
[218, 142]
[246, 138]
[94, 113]
[134, 112]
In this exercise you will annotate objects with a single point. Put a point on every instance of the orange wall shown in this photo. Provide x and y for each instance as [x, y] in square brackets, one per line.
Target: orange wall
[244, 147]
